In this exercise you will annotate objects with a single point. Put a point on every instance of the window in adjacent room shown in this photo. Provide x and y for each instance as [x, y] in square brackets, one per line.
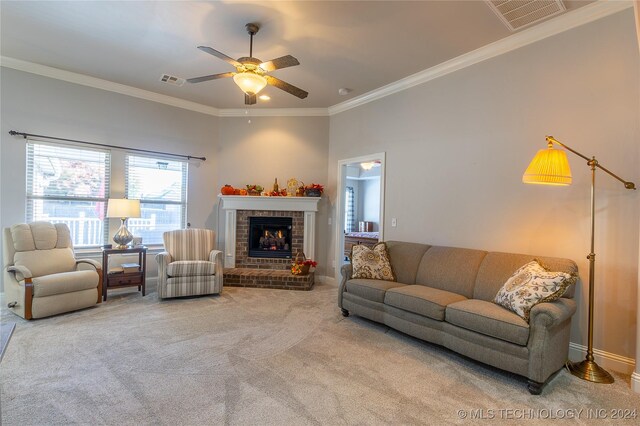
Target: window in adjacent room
[161, 186]
[67, 184]
[349, 220]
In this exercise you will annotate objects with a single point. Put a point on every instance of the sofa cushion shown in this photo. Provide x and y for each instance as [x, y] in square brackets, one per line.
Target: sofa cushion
[497, 267]
[422, 300]
[532, 284]
[405, 259]
[451, 269]
[65, 282]
[370, 289]
[489, 319]
[191, 268]
[372, 263]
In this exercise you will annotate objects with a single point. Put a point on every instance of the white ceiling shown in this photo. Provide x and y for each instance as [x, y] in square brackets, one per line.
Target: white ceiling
[361, 45]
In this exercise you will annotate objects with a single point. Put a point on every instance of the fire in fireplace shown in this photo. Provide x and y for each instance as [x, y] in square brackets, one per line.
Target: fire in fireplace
[270, 237]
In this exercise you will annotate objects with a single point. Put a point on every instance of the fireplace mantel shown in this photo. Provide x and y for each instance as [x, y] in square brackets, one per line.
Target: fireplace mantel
[232, 203]
[247, 202]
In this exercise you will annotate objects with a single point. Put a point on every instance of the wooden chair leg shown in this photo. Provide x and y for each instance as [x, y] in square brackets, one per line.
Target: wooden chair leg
[28, 298]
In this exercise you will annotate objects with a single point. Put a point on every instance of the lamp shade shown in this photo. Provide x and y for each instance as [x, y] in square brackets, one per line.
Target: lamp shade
[123, 208]
[250, 82]
[549, 167]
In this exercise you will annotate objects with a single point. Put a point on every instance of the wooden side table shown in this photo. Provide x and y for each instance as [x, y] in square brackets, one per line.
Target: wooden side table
[119, 280]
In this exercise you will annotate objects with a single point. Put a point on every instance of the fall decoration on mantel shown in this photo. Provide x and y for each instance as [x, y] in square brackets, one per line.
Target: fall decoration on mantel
[227, 190]
[254, 189]
[313, 190]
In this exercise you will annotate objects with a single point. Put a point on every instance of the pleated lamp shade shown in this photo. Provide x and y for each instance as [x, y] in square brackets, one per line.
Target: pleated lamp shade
[549, 167]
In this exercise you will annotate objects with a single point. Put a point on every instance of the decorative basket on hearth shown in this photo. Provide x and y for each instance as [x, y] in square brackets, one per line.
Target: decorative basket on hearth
[301, 265]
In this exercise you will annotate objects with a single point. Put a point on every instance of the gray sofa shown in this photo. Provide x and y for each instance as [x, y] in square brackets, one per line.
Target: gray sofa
[444, 295]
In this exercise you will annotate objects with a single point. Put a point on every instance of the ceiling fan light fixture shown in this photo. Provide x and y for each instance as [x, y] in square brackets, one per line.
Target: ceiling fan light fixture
[250, 82]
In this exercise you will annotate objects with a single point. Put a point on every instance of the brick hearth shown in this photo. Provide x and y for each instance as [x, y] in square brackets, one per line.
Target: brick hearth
[267, 278]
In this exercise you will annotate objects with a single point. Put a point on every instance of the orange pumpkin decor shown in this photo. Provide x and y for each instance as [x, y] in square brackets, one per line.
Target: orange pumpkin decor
[236, 191]
[227, 190]
[243, 192]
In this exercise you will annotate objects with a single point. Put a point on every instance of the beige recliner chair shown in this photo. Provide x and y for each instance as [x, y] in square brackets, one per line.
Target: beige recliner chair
[190, 266]
[41, 275]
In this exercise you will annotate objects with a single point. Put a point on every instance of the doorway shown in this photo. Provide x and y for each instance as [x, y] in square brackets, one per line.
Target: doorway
[360, 204]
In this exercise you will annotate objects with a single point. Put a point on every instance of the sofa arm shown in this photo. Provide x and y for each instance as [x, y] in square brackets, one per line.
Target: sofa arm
[98, 268]
[346, 272]
[216, 257]
[164, 259]
[549, 331]
[20, 272]
[95, 264]
[550, 314]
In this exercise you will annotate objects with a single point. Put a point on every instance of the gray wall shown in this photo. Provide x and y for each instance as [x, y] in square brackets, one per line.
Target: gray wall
[457, 147]
[257, 150]
[238, 152]
[41, 105]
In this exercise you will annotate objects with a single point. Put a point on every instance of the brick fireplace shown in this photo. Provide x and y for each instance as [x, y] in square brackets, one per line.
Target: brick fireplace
[238, 209]
[243, 260]
[243, 270]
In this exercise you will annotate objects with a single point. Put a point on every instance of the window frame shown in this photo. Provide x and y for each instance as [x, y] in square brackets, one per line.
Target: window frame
[30, 197]
[183, 192]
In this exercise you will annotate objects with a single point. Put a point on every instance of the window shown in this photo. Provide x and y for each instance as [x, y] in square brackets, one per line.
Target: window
[161, 186]
[349, 222]
[66, 184]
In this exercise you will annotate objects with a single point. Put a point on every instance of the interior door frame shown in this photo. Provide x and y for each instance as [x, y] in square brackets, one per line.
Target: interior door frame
[340, 202]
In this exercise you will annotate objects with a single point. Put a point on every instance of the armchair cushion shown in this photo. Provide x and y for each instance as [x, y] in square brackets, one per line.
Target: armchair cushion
[66, 282]
[191, 268]
[189, 244]
[40, 236]
[46, 262]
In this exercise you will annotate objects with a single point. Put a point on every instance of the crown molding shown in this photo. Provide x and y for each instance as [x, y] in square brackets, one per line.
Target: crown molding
[98, 83]
[557, 25]
[554, 26]
[275, 112]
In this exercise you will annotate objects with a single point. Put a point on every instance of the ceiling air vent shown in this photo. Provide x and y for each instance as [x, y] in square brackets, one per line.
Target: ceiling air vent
[172, 79]
[516, 14]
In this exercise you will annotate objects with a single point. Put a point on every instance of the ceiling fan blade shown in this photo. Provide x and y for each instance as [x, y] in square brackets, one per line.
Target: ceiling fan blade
[278, 63]
[289, 88]
[249, 99]
[220, 55]
[210, 77]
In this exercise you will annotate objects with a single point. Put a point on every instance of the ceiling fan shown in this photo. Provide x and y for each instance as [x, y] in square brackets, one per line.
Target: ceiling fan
[251, 73]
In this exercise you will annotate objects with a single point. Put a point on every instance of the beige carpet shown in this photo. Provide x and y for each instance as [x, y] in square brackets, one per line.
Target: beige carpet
[258, 356]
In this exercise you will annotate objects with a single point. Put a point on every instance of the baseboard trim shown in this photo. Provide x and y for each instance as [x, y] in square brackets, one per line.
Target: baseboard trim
[325, 279]
[635, 382]
[606, 360]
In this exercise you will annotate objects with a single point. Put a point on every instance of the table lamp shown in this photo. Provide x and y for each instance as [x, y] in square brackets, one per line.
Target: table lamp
[551, 167]
[124, 209]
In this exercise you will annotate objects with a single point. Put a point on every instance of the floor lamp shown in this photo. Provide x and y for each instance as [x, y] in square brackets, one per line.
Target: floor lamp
[551, 167]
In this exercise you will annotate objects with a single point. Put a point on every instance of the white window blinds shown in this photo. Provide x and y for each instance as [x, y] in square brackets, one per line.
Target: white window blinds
[67, 184]
[161, 186]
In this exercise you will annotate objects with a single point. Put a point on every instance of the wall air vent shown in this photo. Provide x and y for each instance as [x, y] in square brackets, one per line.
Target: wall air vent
[516, 14]
[172, 79]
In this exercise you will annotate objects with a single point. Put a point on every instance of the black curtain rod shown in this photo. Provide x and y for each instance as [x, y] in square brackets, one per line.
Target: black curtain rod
[25, 135]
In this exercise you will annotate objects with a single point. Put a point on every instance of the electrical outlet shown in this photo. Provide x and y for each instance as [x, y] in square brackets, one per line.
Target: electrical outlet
[329, 221]
[394, 222]
[333, 263]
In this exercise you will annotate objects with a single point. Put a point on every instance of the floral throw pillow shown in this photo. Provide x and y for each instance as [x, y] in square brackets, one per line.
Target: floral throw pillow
[372, 263]
[530, 285]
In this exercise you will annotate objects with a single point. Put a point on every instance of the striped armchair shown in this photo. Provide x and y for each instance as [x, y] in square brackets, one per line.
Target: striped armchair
[189, 266]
